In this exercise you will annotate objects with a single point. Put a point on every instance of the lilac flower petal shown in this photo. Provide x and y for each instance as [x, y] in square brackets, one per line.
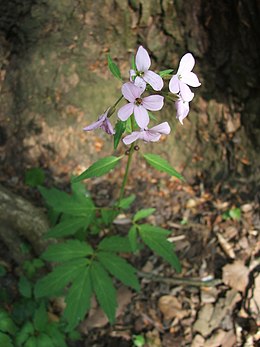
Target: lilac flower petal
[125, 111]
[186, 64]
[94, 125]
[153, 102]
[139, 82]
[191, 79]
[107, 127]
[153, 79]
[141, 116]
[142, 60]
[131, 138]
[131, 92]
[162, 128]
[185, 92]
[182, 109]
[149, 136]
[174, 84]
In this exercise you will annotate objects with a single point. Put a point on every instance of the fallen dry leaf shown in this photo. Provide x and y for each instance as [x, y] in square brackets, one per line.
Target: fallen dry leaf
[97, 318]
[236, 275]
[221, 338]
[226, 246]
[253, 300]
[208, 294]
[198, 341]
[171, 307]
[153, 338]
[212, 317]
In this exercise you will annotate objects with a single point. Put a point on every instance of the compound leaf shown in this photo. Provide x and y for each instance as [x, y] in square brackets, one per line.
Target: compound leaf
[63, 274]
[143, 214]
[67, 227]
[115, 244]
[78, 299]
[155, 239]
[119, 268]
[71, 249]
[104, 290]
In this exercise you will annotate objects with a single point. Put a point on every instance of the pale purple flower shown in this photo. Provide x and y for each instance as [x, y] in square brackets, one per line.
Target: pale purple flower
[182, 108]
[138, 105]
[184, 78]
[103, 122]
[143, 74]
[148, 135]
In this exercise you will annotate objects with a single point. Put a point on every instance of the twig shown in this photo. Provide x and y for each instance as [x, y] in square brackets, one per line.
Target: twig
[179, 280]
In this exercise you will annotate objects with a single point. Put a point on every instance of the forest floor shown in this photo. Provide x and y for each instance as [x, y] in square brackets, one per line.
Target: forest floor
[215, 301]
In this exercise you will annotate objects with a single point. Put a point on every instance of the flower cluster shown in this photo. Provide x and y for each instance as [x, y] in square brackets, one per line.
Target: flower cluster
[143, 80]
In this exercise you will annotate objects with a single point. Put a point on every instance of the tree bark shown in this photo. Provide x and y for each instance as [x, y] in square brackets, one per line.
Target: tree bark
[21, 222]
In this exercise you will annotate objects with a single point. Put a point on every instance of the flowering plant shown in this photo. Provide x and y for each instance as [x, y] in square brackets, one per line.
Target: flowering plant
[86, 261]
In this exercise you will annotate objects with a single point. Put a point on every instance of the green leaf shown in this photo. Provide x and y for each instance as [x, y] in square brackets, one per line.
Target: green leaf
[155, 239]
[34, 177]
[62, 202]
[104, 290]
[132, 237]
[6, 323]
[67, 227]
[113, 68]
[129, 127]
[23, 310]
[119, 268]
[143, 214]
[71, 249]
[24, 333]
[99, 168]
[79, 191]
[108, 215]
[162, 165]
[126, 202]
[235, 213]
[77, 209]
[138, 340]
[115, 244]
[54, 197]
[5, 340]
[78, 299]
[40, 319]
[25, 287]
[119, 128]
[31, 342]
[164, 73]
[2, 271]
[55, 281]
[43, 340]
[58, 338]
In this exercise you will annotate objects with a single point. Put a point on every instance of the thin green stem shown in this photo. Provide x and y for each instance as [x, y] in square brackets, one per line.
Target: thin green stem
[122, 190]
[117, 102]
[131, 152]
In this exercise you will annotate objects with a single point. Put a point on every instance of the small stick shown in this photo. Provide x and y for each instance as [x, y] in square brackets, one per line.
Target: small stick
[178, 280]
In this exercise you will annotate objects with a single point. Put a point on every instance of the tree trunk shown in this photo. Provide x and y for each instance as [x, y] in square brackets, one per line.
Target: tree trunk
[20, 223]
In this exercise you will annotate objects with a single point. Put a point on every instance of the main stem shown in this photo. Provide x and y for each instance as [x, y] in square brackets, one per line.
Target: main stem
[131, 151]
[122, 190]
